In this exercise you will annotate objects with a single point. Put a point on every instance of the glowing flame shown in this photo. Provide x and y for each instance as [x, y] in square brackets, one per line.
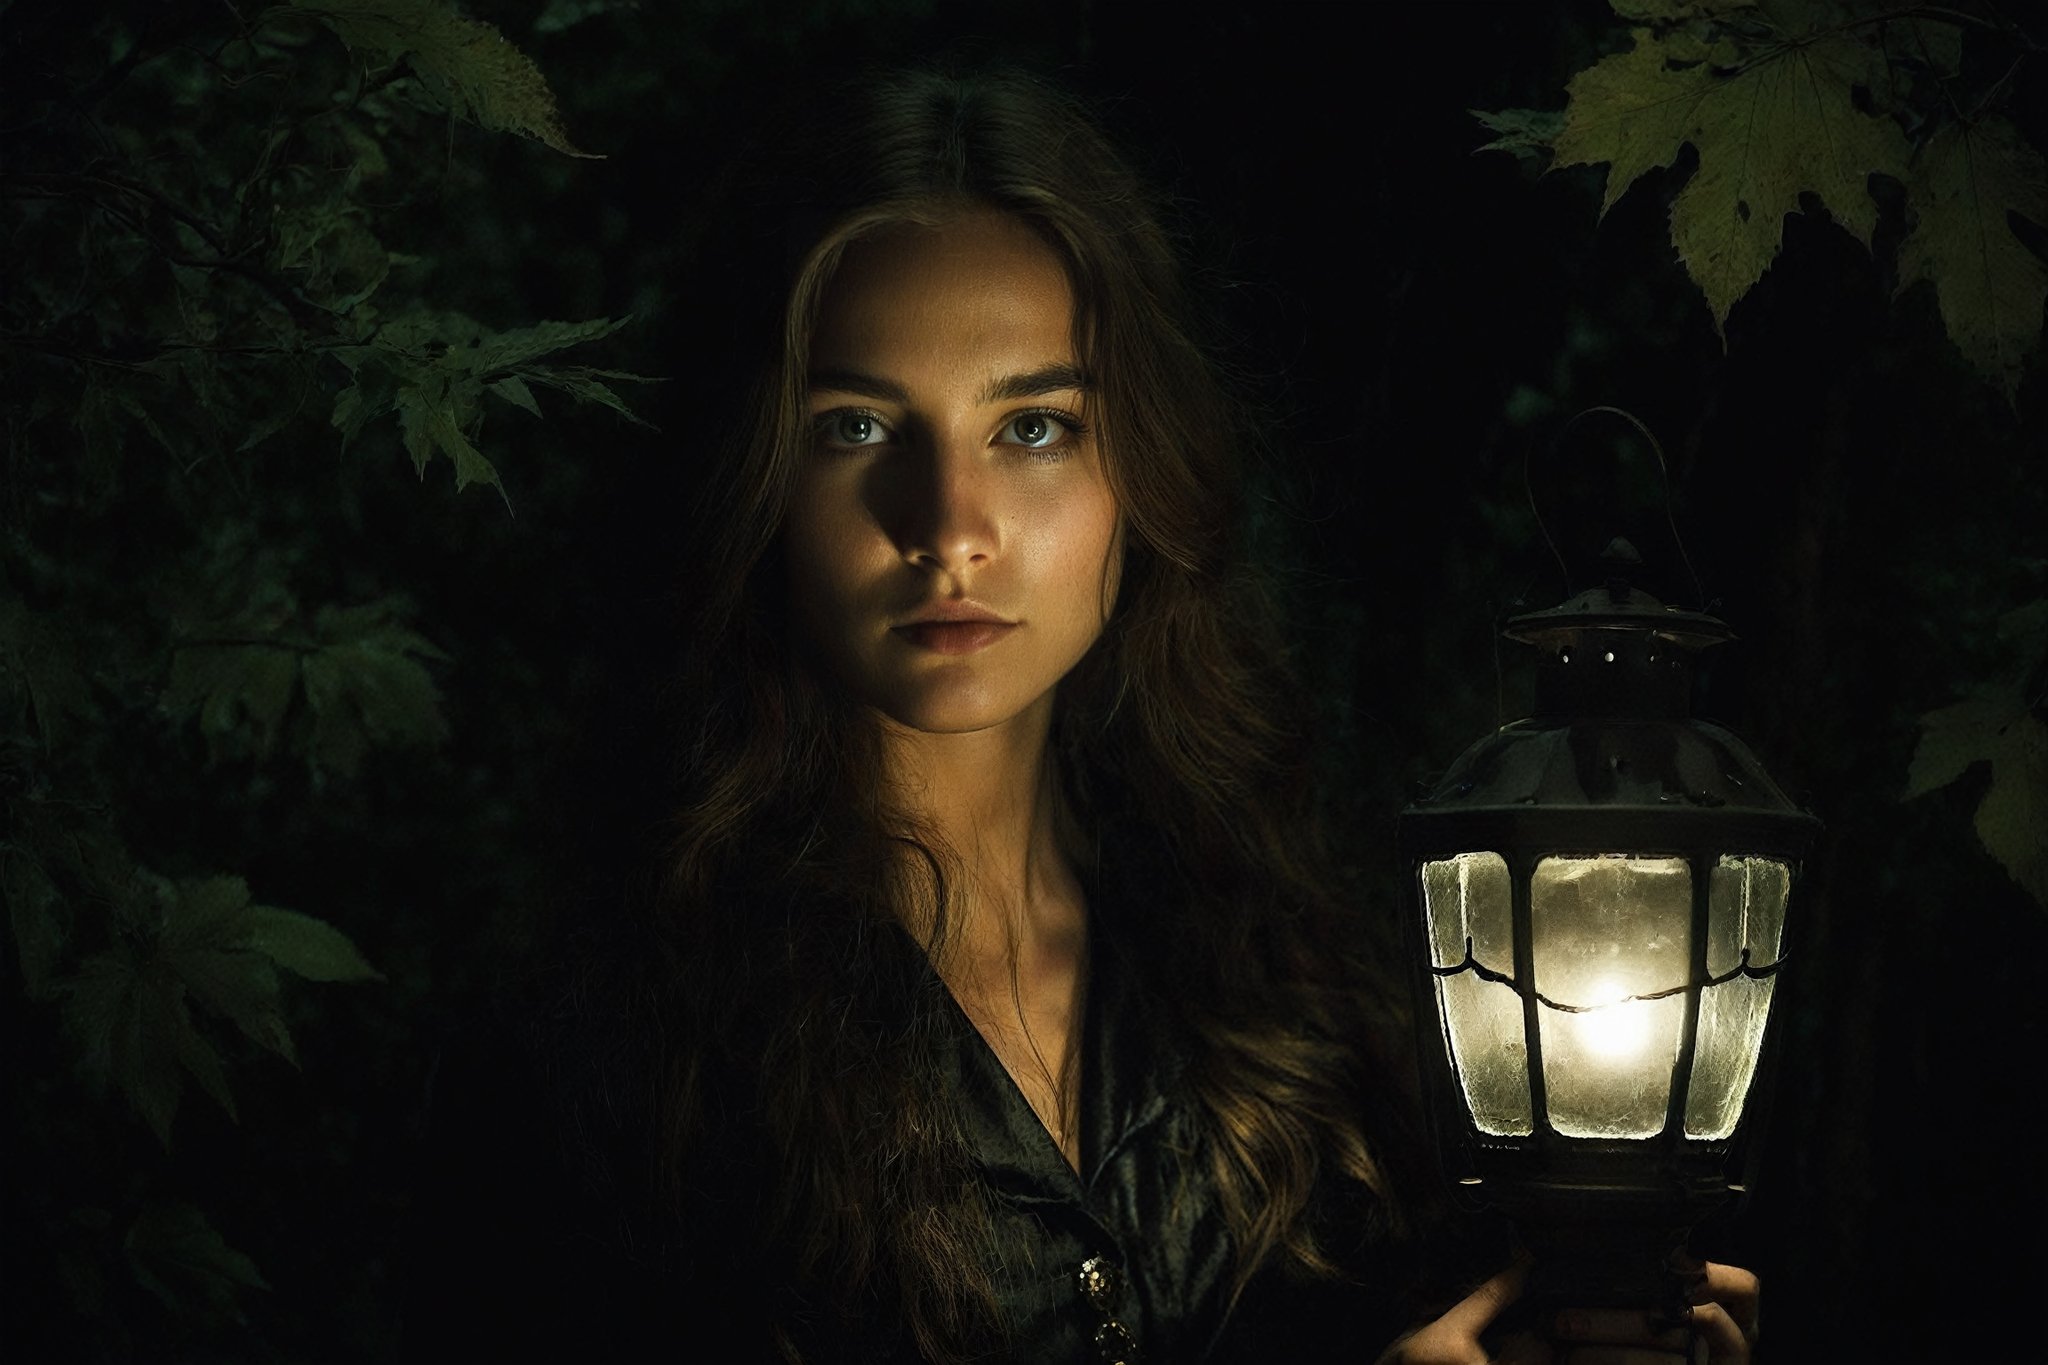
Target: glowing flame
[1617, 1027]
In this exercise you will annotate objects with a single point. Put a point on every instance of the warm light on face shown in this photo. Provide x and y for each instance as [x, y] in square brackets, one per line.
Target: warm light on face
[952, 545]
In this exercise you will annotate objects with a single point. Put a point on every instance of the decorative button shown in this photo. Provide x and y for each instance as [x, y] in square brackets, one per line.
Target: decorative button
[1113, 1340]
[1102, 1284]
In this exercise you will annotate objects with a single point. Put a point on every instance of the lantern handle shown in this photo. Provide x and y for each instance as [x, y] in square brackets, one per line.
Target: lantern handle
[1663, 468]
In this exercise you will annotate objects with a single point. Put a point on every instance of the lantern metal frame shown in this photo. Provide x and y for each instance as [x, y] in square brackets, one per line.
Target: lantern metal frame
[1611, 762]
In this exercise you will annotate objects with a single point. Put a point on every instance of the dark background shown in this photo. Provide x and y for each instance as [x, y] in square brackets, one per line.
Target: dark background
[1418, 321]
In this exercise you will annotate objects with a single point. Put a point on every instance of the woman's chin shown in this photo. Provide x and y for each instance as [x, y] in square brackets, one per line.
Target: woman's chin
[954, 709]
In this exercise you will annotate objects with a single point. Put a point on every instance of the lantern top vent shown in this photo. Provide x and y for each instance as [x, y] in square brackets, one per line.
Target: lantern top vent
[1618, 605]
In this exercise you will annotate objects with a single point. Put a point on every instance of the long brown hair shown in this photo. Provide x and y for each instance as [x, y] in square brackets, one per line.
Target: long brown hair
[794, 1005]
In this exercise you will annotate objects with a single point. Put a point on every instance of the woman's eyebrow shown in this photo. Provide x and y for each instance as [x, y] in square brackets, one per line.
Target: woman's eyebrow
[1032, 383]
[1055, 378]
[856, 381]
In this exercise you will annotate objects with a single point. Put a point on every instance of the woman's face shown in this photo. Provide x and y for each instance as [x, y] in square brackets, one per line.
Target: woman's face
[953, 548]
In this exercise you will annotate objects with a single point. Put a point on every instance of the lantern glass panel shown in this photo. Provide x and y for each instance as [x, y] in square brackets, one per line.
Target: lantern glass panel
[1608, 930]
[1467, 900]
[1746, 910]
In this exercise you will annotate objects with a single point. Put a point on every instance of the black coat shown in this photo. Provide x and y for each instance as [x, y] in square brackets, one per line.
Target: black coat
[526, 1245]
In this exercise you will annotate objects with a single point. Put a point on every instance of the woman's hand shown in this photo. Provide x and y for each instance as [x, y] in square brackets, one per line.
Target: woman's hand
[1719, 1328]
[1453, 1339]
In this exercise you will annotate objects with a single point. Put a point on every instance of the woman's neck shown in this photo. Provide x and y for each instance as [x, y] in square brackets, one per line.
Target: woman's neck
[992, 796]
[1015, 951]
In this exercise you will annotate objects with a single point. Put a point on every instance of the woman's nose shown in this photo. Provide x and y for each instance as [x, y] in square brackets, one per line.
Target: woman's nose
[948, 515]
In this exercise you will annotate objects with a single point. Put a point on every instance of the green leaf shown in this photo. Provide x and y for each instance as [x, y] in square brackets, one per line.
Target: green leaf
[307, 947]
[124, 1011]
[352, 409]
[514, 391]
[178, 1256]
[39, 916]
[1996, 724]
[1677, 11]
[415, 405]
[507, 350]
[94, 1001]
[1954, 737]
[471, 66]
[208, 912]
[264, 424]
[206, 942]
[365, 686]
[241, 987]
[2014, 813]
[1527, 133]
[371, 393]
[202, 1062]
[1990, 287]
[1935, 43]
[587, 385]
[426, 415]
[129, 1008]
[36, 649]
[1631, 110]
[564, 14]
[1784, 123]
[373, 621]
[341, 260]
[233, 687]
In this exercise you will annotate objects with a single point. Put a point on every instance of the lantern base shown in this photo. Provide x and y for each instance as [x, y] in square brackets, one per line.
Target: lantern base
[1594, 1262]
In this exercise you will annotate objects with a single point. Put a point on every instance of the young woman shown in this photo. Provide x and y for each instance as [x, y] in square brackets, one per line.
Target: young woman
[1000, 794]
[995, 1003]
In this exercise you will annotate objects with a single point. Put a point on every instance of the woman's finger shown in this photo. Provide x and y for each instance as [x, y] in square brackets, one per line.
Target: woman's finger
[1709, 1337]
[1620, 1326]
[1727, 1343]
[1736, 1290]
[1475, 1312]
[1453, 1339]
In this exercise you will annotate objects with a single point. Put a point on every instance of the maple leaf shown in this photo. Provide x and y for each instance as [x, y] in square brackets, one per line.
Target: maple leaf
[38, 658]
[1672, 11]
[360, 675]
[179, 1257]
[1996, 724]
[586, 384]
[1936, 44]
[498, 352]
[125, 1011]
[1990, 287]
[130, 1008]
[431, 416]
[472, 67]
[365, 685]
[1781, 123]
[514, 391]
[230, 684]
[434, 370]
[40, 918]
[1528, 133]
[307, 947]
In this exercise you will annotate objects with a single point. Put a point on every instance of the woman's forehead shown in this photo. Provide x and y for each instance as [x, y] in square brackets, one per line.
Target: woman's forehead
[981, 285]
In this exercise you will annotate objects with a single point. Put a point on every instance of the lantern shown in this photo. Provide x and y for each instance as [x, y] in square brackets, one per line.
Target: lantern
[1601, 897]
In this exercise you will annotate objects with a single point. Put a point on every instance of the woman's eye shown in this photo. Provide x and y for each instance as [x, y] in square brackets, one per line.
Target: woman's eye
[852, 429]
[1039, 431]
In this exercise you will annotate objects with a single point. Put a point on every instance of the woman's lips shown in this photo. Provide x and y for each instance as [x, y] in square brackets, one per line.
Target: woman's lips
[954, 637]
